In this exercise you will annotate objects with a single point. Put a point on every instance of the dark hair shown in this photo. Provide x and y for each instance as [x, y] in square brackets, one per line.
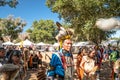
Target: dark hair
[14, 53]
[82, 48]
[8, 53]
[91, 49]
[2, 49]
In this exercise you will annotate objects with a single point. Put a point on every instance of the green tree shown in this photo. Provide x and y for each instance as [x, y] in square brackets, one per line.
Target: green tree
[84, 13]
[42, 31]
[11, 3]
[11, 27]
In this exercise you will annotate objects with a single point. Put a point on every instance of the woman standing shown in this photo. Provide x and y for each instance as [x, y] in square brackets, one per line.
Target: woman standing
[13, 69]
[88, 65]
[81, 53]
[15, 58]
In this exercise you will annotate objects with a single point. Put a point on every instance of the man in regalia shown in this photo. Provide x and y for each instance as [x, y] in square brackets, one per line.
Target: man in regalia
[61, 64]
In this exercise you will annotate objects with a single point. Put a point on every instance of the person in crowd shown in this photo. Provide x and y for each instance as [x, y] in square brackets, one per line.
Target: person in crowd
[88, 65]
[13, 69]
[2, 56]
[61, 63]
[25, 58]
[105, 54]
[81, 53]
[114, 56]
[35, 60]
[109, 51]
[101, 48]
[98, 58]
[40, 58]
[8, 51]
[116, 68]
[16, 59]
[30, 62]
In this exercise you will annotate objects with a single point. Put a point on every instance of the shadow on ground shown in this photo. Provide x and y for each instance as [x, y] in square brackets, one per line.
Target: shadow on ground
[105, 71]
[39, 74]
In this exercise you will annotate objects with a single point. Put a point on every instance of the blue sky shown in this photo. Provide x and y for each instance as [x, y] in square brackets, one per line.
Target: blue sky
[31, 10]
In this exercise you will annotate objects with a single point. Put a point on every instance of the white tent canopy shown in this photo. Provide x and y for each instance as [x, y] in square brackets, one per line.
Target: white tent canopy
[83, 43]
[111, 42]
[56, 44]
[8, 43]
[18, 44]
[40, 44]
[27, 43]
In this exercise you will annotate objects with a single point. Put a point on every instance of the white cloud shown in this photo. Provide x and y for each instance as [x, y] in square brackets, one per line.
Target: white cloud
[108, 24]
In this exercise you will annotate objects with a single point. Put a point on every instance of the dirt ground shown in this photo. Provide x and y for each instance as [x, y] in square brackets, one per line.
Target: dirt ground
[32, 74]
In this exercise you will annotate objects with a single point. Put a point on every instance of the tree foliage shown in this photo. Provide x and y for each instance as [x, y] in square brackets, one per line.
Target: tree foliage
[82, 14]
[43, 31]
[11, 3]
[11, 27]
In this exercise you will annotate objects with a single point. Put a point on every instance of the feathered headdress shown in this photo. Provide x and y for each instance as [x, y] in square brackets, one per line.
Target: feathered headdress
[63, 34]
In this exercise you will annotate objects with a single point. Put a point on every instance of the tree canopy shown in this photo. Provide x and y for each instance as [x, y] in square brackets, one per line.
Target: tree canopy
[43, 31]
[11, 3]
[82, 15]
[11, 27]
